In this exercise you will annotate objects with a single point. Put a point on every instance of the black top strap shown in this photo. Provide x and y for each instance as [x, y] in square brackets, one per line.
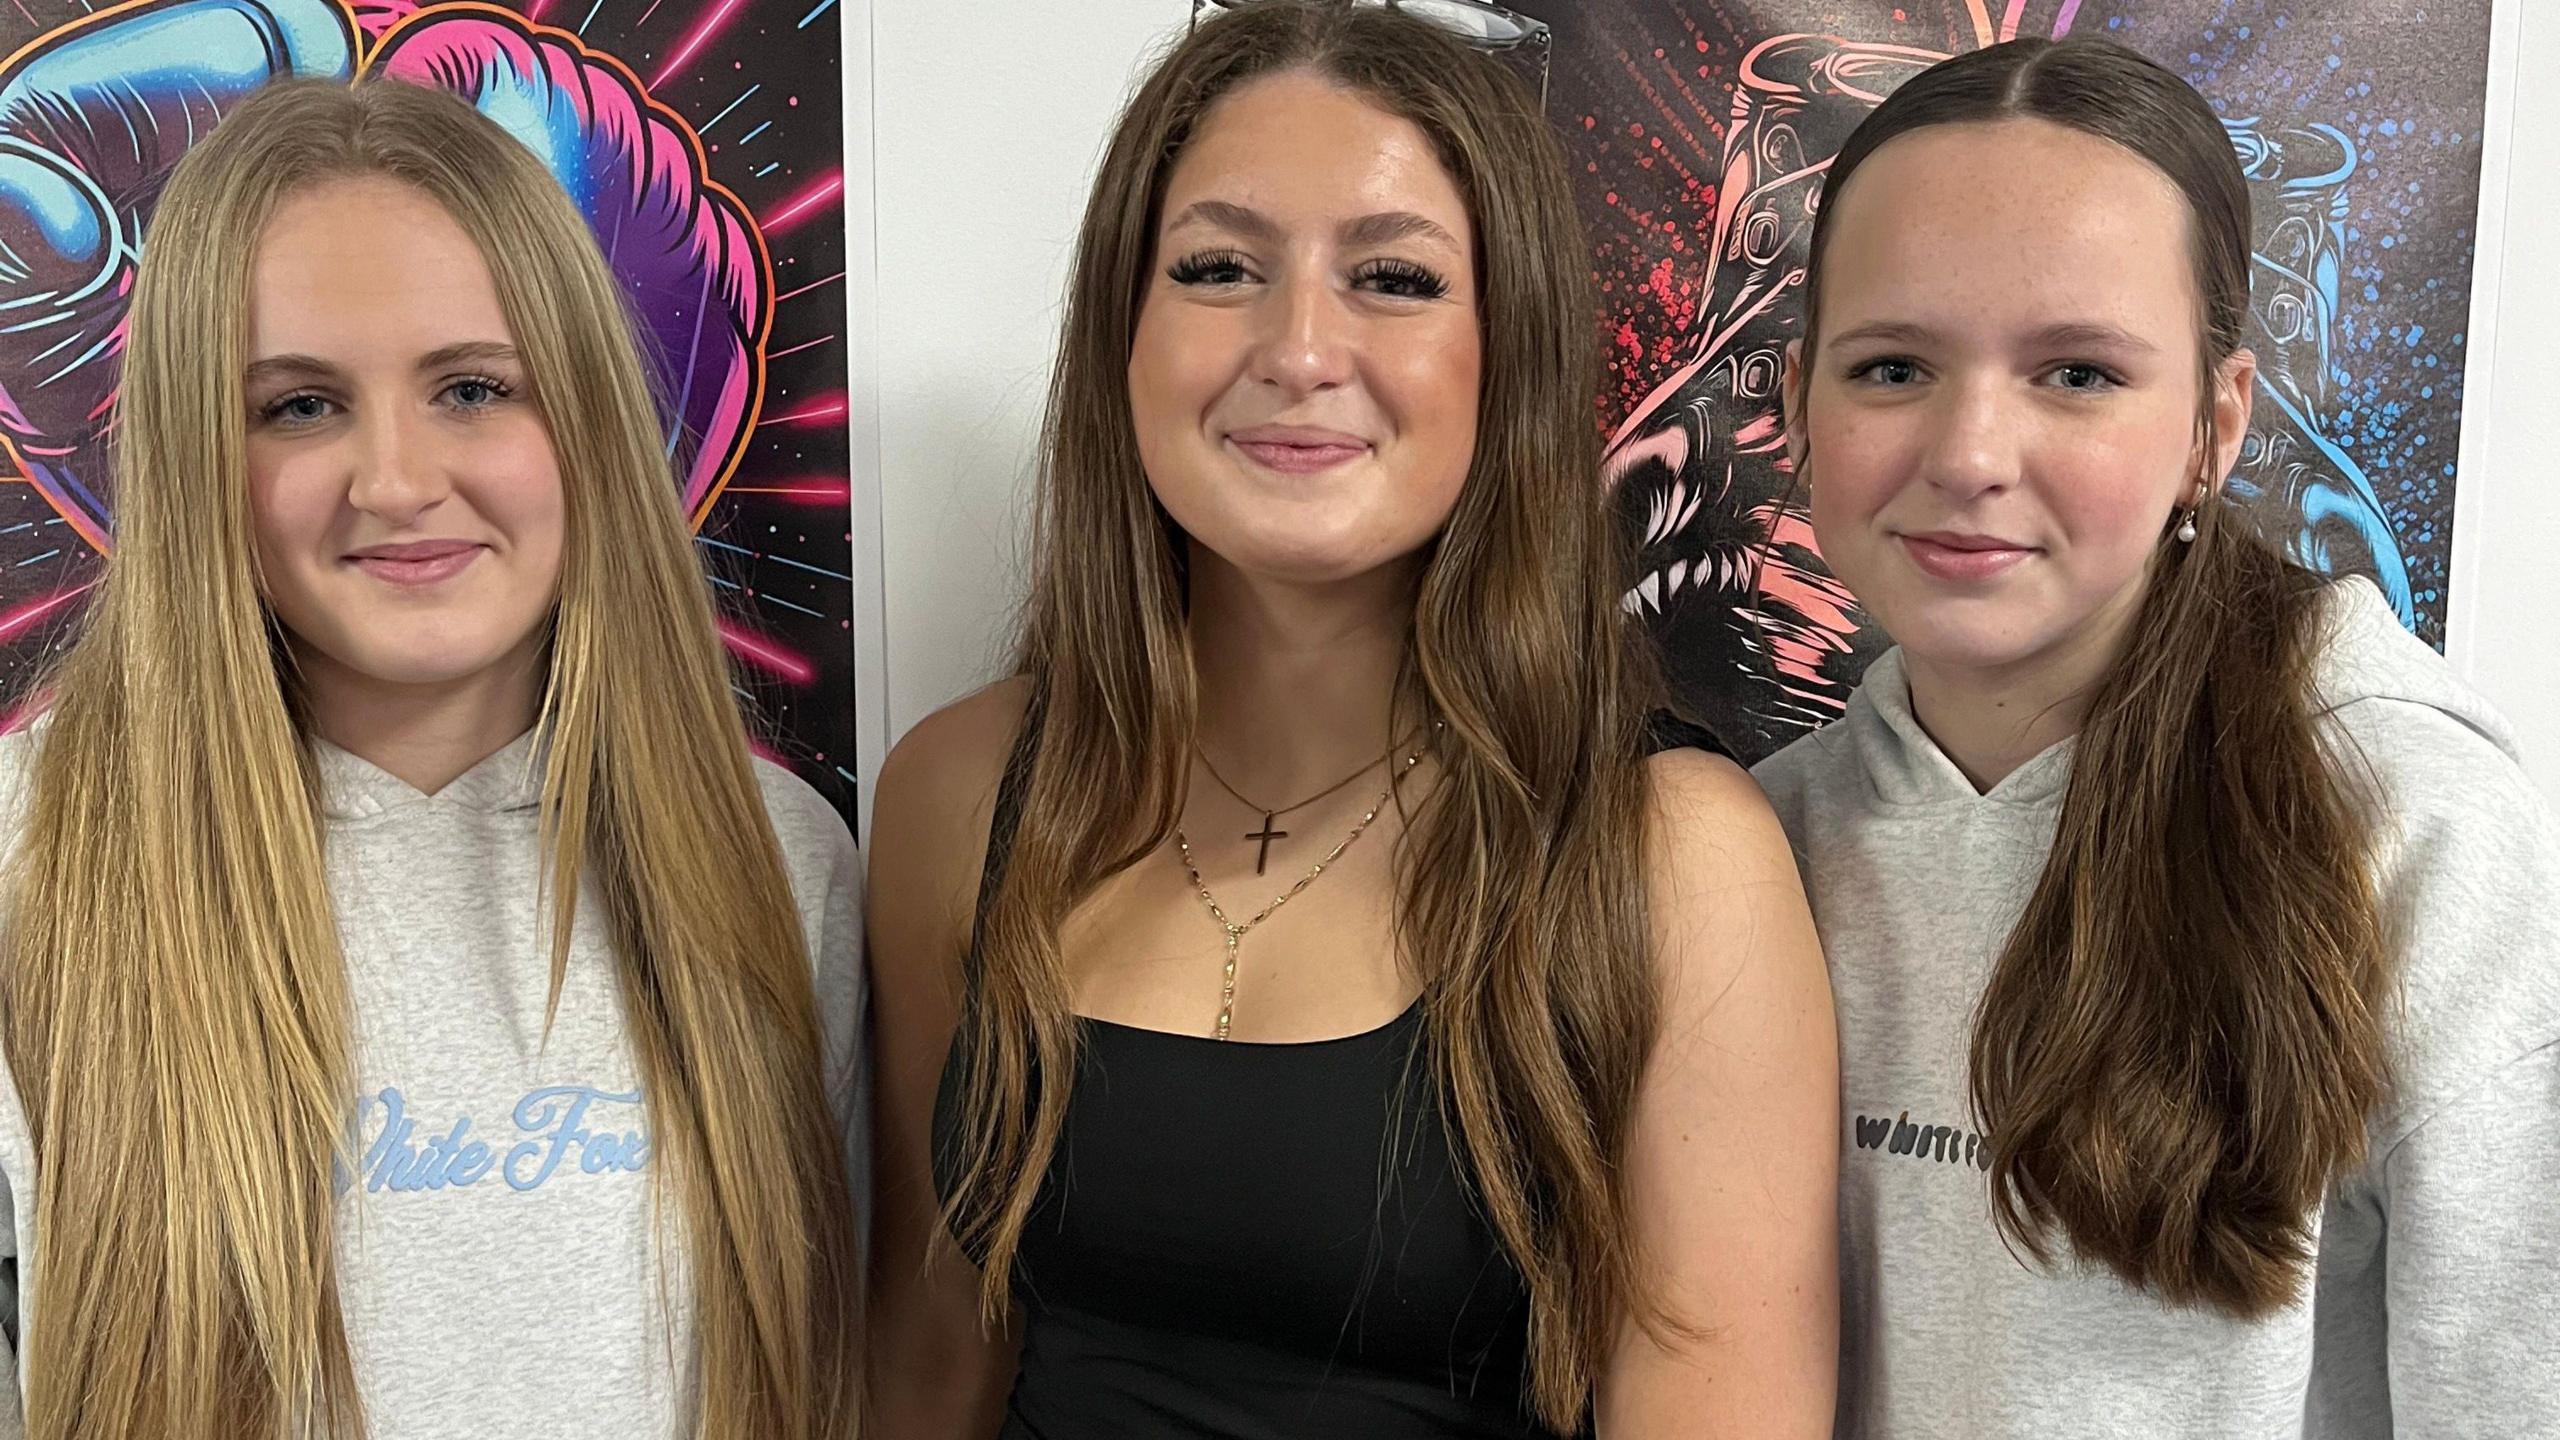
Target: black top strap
[1669, 730]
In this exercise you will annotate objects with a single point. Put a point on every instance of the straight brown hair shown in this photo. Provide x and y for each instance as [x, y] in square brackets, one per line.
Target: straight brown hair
[175, 993]
[1521, 904]
[2179, 1046]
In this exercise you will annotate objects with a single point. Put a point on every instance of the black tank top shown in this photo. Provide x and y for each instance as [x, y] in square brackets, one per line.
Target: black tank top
[1256, 1241]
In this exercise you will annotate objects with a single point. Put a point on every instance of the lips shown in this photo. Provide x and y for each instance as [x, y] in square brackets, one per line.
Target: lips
[1297, 450]
[417, 562]
[1959, 558]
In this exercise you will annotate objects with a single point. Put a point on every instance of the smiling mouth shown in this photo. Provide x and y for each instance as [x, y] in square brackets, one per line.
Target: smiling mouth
[1290, 451]
[423, 563]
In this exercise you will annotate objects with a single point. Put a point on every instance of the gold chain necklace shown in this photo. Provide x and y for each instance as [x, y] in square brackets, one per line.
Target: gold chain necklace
[1234, 932]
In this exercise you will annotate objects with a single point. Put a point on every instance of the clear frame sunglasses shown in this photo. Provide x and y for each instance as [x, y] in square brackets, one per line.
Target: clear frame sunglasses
[1507, 35]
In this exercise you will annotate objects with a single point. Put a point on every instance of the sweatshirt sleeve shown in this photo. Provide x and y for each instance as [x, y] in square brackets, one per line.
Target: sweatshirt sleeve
[2462, 1181]
[826, 882]
[844, 1005]
[2470, 1257]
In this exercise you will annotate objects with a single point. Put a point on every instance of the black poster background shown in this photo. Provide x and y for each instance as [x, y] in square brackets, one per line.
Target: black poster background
[739, 286]
[1698, 131]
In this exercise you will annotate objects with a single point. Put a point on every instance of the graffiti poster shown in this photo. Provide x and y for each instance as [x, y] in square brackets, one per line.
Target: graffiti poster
[702, 138]
[1700, 131]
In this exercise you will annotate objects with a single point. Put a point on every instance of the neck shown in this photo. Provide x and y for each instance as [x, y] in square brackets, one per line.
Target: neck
[427, 735]
[1297, 683]
[1991, 719]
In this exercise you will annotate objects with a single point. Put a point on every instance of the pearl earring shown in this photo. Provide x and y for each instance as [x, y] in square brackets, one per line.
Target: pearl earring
[2186, 531]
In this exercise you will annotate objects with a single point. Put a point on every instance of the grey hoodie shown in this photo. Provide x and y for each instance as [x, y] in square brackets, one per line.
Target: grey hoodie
[2436, 1306]
[500, 1264]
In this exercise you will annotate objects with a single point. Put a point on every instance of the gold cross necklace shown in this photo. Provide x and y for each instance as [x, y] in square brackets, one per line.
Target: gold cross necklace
[1270, 813]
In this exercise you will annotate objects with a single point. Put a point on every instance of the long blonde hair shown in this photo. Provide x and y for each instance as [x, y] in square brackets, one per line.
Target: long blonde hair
[1521, 886]
[176, 1000]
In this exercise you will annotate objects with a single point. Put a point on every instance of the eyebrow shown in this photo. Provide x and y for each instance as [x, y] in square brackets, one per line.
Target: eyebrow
[1382, 228]
[2068, 335]
[467, 352]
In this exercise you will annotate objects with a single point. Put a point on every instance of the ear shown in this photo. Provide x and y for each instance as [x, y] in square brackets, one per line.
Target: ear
[1791, 387]
[2235, 386]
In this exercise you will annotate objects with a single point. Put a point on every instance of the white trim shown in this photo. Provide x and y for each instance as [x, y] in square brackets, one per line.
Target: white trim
[862, 407]
[2473, 486]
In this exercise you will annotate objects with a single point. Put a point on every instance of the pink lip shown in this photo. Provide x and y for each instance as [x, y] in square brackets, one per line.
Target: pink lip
[1946, 555]
[418, 562]
[1296, 449]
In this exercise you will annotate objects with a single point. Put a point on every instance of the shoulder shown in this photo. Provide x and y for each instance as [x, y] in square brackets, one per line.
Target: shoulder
[802, 818]
[1790, 776]
[18, 754]
[2395, 708]
[1721, 881]
[934, 805]
[942, 774]
[963, 743]
[1695, 790]
[2465, 860]
[817, 846]
[1709, 823]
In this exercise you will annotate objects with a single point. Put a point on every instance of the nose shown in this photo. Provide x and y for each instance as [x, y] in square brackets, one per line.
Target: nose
[1307, 338]
[1973, 441]
[399, 475]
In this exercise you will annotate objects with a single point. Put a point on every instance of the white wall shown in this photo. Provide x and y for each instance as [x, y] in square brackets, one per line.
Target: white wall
[984, 120]
[2503, 627]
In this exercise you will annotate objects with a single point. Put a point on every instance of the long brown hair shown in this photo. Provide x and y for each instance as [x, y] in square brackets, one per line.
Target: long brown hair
[175, 991]
[1521, 891]
[2179, 1046]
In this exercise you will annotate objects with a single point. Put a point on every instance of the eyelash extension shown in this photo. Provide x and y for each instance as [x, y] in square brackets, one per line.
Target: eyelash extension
[1425, 285]
[1197, 269]
[495, 386]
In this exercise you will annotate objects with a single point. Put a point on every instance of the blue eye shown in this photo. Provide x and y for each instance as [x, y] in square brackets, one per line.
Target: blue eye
[477, 392]
[297, 409]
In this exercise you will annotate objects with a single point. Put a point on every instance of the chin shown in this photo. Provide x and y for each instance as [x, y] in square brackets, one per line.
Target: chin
[1965, 642]
[1270, 552]
[419, 661]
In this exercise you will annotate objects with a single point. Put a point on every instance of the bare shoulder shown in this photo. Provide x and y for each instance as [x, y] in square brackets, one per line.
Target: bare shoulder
[1704, 806]
[931, 812]
[1721, 881]
[959, 750]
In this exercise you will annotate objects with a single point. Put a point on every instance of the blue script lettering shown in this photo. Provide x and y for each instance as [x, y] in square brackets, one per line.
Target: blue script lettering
[559, 1119]
[561, 1111]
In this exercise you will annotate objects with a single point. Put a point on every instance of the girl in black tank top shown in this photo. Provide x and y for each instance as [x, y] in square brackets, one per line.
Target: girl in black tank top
[1257, 1240]
[1320, 505]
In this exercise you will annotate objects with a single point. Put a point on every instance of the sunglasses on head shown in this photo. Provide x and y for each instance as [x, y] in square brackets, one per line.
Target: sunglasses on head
[1507, 35]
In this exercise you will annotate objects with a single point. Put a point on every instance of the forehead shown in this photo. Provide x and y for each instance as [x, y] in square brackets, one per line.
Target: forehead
[1297, 147]
[369, 267]
[1978, 227]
